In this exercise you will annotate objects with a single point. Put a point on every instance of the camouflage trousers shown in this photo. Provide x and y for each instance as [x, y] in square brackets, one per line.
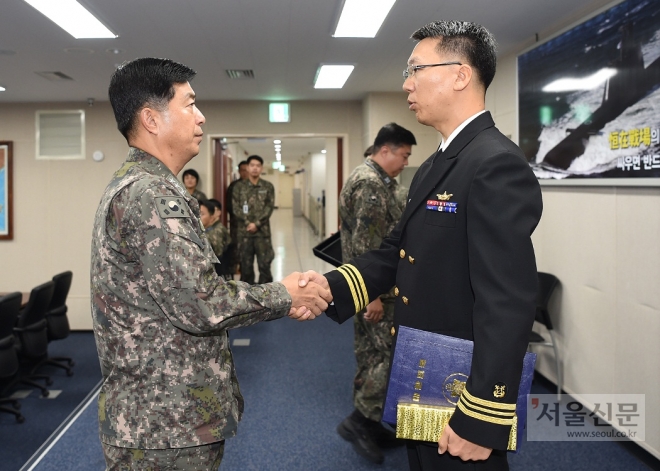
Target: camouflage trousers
[196, 458]
[372, 351]
[262, 247]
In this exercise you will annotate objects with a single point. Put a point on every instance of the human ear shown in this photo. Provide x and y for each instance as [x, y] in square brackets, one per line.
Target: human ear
[149, 120]
[463, 78]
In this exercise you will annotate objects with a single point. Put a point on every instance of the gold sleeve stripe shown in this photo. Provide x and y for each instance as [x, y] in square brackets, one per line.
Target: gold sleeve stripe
[354, 286]
[493, 405]
[351, 286]
[485, 418]
[363, 287]
[352, 278]
[467, 403]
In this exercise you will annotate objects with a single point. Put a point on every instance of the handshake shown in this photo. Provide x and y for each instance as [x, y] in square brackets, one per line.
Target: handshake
[310, 293]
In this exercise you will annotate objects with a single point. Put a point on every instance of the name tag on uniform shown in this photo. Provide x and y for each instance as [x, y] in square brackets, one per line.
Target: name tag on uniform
[441, 206]
[245, 208]
[172, 207]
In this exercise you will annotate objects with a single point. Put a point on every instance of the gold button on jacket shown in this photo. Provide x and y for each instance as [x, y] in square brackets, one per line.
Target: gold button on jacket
[396, 291]
[402, 253]
[411, 260]
[405, 300]
[392, 331]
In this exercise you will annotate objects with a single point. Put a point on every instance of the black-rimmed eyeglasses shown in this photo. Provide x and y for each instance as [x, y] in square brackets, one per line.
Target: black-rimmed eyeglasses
[411, 69]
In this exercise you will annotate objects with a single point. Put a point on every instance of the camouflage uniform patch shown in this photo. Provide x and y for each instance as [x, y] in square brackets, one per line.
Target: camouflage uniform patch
[370, 205]
[161, 314]
[254, 203]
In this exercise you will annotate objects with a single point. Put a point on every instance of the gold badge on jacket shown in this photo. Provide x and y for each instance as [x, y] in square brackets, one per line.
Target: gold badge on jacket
[445, 196]
[499, 390]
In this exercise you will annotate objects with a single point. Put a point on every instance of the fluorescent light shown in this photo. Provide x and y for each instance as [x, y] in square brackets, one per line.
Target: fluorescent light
[2, 89]
[278, 156]
[277, 141]
[323, 151]
[585, 83]
[73, 18]
[332, 76]
[362, 18]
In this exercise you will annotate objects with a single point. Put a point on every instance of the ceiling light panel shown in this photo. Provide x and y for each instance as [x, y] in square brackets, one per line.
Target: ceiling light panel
[332, 76]
[362, 18]
[73, 18]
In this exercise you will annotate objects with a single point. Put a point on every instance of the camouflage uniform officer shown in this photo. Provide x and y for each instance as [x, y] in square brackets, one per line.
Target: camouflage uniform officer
[190, 180]
[215, 231]
[370, 205]
[234, 257]
[253, 201]
[160, 313]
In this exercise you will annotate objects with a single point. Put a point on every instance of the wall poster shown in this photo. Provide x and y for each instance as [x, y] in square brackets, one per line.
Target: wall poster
[6, 190]
[589, 99]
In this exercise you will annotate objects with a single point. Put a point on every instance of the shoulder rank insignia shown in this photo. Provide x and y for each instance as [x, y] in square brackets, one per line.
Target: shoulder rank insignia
[499, 390]
[172, 207]
[445, 196]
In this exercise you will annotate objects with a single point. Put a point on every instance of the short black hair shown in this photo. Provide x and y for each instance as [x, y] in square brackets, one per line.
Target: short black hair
[255, 157]
[242, 162]
[192, 172]
[369, 151]
[144, 82]
[393, 135]
[472, 42]
[216, 202]
[209, 205]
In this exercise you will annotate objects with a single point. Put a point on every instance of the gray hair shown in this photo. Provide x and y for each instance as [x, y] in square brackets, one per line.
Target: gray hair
[472, 42]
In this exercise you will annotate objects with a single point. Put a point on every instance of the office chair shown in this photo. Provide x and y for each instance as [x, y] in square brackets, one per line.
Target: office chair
[10, 304]
[31, 333]
[57, 321]
[547, 285]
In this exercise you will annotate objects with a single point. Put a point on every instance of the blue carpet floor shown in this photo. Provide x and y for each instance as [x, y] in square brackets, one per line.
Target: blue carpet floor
[42, 415]
[296, 379]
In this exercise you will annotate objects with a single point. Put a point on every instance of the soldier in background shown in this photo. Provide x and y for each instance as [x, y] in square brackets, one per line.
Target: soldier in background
[217, 234]
[253, 201]
[370, 205]
[190, 180]
[160, 313]
[234, 257]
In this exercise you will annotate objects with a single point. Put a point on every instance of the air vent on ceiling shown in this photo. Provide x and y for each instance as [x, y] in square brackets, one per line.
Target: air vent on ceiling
[240, 74]
[54, 76]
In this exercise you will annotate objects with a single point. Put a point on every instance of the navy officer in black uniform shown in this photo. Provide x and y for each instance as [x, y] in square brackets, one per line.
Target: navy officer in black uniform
[461, 259]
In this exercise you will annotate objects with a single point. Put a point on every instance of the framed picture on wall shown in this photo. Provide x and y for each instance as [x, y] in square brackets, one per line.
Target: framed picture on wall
[589, 100]
[6, 209]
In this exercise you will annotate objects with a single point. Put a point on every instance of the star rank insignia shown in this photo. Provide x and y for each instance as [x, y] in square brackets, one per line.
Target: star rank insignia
[445, 196]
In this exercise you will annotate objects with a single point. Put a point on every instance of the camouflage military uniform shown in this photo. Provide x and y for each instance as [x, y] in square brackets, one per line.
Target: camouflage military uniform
[199, 195]
[161, 314]
[234, 258]
[218, 236]
[370, 205]
[254, 203]
[193, 458]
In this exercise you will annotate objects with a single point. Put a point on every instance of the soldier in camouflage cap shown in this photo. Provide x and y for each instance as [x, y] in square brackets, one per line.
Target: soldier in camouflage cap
[370, 205]
[160, 313]
[253, 201]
